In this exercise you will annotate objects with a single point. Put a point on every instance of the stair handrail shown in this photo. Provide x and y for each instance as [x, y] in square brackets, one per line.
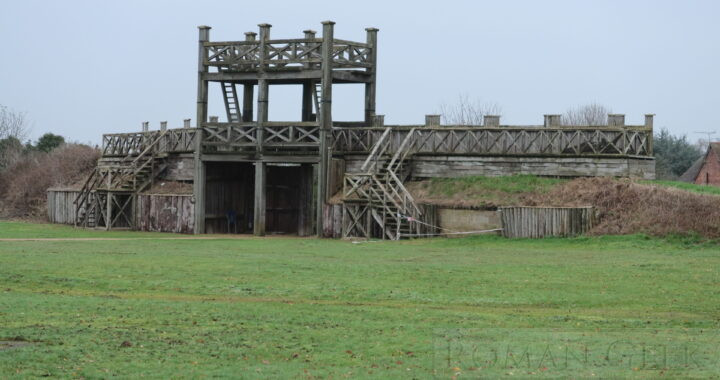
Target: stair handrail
[405, 194]
[133, 164]
[149, 147]
[81, 199]
[378, 149]
[405, 147]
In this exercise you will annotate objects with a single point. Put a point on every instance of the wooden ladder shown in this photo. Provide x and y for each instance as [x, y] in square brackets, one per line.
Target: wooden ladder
[232, 105]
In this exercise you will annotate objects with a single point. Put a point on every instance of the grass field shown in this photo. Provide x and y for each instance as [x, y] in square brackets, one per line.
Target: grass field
[136, 305]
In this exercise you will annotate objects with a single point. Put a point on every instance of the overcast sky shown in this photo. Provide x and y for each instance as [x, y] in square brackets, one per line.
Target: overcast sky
[84, 68]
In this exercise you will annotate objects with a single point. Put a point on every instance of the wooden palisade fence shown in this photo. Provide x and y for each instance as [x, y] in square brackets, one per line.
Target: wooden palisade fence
[537, 222]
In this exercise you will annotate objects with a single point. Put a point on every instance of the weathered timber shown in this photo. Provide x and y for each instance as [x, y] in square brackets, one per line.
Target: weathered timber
[276, 176]
[61, 205]
[165, 213]
[538, 222]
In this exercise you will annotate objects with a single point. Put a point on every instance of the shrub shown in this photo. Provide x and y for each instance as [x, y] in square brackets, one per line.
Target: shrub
[23, 184]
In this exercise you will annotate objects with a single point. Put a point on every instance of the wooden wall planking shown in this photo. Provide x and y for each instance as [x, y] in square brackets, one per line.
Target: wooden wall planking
[61, 205]
[165, 213]
[459, 166]
[538, 222]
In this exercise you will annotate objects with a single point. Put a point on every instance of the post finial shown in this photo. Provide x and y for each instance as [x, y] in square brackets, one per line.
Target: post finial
[328, 22]
[204, 33]
[371, 29]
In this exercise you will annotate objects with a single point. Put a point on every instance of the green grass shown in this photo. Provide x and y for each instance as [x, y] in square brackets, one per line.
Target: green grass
[702, 189]
[485, 191]
[296, 307]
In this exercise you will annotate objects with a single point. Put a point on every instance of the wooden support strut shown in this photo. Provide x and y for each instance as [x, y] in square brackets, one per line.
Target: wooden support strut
[325, 121]
[371, 85]
[202, 103]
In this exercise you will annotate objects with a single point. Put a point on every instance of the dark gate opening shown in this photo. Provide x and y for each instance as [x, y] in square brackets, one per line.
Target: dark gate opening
[229, 197]
[289, 197]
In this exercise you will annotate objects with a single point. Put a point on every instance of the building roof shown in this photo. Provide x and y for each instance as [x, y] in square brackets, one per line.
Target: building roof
[691, 174]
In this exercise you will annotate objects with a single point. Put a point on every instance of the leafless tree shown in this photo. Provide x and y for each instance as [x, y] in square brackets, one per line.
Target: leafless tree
[13, 129]
[13, 124]
[465, 111]
[587, 115]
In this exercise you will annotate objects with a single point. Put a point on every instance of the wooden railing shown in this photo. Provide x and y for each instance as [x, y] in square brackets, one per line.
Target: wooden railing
[244, 56]
[247, 136]
[509, 141]
[519, 141]
[130, 144]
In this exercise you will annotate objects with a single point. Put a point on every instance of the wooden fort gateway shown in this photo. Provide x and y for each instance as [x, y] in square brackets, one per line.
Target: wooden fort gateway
[272, 176]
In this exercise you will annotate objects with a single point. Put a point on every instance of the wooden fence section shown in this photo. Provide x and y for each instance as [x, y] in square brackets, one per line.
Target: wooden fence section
[538, 222]
[602, 141]
[505, 141]
[165, 213]
[61, 205]
[285, 54]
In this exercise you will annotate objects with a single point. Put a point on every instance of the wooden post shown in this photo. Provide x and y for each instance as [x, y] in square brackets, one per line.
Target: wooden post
[202, 104]
[491, 121]
[307, 87]
[649, 124]
[325, 119]
[186, 123]
[616, 120]
[108, 201]
[432, 120]
[260, 197]
[247, 114]
[378, 120]
[552, 120]
[370, 87]
[145, 126]
[202, 98]
[163, 126]
[263, 86]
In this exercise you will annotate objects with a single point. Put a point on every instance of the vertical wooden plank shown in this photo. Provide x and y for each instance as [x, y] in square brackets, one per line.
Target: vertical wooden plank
[371, 86]
[325, 119]
[260, 198]
[202, 101]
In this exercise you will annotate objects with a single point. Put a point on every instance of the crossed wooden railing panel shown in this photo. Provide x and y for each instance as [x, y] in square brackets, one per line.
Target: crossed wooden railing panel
[588, 141]
[246, 136]
[286, 53]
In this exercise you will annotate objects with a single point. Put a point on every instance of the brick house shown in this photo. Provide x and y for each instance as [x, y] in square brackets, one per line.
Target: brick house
[706, 170]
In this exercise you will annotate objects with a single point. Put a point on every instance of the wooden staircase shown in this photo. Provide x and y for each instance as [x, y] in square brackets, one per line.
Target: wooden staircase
[376, 204]
[107, 197]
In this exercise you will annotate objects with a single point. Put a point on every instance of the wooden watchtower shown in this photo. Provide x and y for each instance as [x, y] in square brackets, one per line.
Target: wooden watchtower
[315, 63]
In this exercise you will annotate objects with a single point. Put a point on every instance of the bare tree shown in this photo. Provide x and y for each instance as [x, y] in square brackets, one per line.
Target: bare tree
[13, 129]
[465, 111]
[13, 124]
[588, 115]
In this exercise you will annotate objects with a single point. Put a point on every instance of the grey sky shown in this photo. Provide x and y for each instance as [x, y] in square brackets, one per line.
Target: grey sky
[83, 68]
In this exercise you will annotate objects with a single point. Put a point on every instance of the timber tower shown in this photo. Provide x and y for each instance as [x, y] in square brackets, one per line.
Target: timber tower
[239, 66]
